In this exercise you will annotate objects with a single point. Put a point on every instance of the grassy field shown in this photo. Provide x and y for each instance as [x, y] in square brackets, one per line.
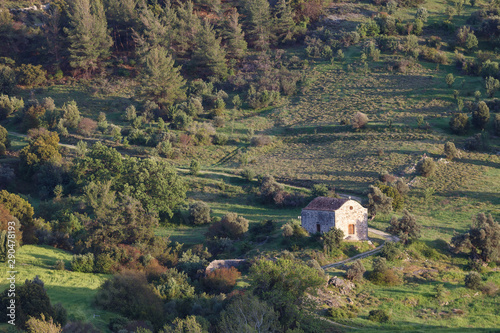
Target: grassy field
[75, 291]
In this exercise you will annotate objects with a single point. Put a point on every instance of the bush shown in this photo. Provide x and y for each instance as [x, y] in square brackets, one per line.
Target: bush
[390, 251]
[60, 266]
[261, 140]
[231, 226]
[181, 121]
[496, 124]
[165, 149]
[490, 289]
[31, 76]
[426, 167]
[407, 227]
[83, 263]
[104, 263]
[459, 123]
[199, 213]
[379, 316]
[343, 312]
[9, 105]
[220, 139]
[332, 240]
[450, 151]
[355, 271]
[481, 116]
[194, 167]
[248, 174]
[359, 120]
[319, 190]
[7, 79]
[294, 229]
[221, 280]
[473, 280]
[87, 126]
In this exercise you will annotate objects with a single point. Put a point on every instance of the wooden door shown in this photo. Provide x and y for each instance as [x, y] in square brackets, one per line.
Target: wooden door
[351, 229]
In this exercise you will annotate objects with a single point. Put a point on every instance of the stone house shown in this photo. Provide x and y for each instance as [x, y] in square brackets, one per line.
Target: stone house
[348, 215]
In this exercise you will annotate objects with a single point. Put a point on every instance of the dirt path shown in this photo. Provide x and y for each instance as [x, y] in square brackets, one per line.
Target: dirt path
[388, 238]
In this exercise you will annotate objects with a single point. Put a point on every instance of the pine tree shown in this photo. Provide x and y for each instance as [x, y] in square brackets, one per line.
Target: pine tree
[161, 80]
[89, 38]
[283, 24]
[234, 37]
[258, 20]
[208, 56]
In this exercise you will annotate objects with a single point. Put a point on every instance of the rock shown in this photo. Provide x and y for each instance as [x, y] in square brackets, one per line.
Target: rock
[345, 287]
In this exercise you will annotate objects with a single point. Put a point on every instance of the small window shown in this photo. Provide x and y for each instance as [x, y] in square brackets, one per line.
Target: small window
[318, 227]
[351, 229]
[350, 208]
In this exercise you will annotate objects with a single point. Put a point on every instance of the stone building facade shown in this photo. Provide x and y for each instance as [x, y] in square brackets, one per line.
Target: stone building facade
[348, 215]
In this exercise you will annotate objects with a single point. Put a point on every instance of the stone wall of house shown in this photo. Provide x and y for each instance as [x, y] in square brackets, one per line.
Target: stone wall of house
[311, 218]
[352, 212]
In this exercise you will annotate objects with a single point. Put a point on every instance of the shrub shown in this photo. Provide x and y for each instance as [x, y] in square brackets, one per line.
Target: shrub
[83, 263]
[473, 280]
[199, 213]
[294, 229]
[378, 202]
[221, 280]
[355, 271]
[459, 123]
[181, 121]
[450, 151]
[496, 124]
[359, 120]
[450, 79]
[261, 140]
[332, 240]
[406, 227]
[390, 251]
[248, 174]
[220, 139]
[379, 316]
[165, 149]
[392, 192]
[60, 266]
[426, 167]
[104, 263]
[231, 226]
[481, 116]
[343, 312]
[31, 76]
[479, 141]
[7, 79]
[194, 167]
[319, 190]
[490, 289]
[9, 105]
[87, 126]
[42, 325]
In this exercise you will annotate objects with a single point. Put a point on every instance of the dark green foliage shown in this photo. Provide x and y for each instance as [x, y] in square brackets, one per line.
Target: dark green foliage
[199, 213]
[88, 36]
[268, 188]
[247, 313]
[392, 192]
[283, 284]
[378, 202]
[258, 23]
[382, 275]
[31, 76]
[231, 226]
[194, 167]
[319, 190]
[31, 301]
[208, 57]
[402, 187]
[294, 229]
[355, 271]
[4, 140]
[481, 116]
[450, 151]
[332, 240]
[83, 263]
[390, 251]
[450, 79]
[478, 142]
[23, 211]
[426, 167]
[379, 316]
[130, 295]
[407, 227]
[496, 124]
[491, 85]
[248, 174]
[181, 120]
[60, 266]
[473, 280]
[284, 26]
[482, 239]
[7, 79]
[233, 36]
[104, 263]
[459, 123]
[172, 285]
[220, 139]
[160, 78]
[187, 325]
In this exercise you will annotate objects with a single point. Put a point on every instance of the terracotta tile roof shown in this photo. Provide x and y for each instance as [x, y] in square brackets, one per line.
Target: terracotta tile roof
[324, 203]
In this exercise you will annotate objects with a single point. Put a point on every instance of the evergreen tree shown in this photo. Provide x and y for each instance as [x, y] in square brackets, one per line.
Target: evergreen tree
[88, 37]
[234, 37]
[283, 24]
[258, 20]
[160, 78]
[481, 116]
[208, 56]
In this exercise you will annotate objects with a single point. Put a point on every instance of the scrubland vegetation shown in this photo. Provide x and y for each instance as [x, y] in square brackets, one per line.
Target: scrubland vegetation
[140, 141]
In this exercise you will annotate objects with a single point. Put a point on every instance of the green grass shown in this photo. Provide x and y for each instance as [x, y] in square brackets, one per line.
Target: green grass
[75, 291]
